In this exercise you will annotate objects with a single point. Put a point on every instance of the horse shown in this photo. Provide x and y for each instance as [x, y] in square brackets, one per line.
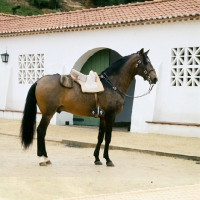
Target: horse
[52, 97]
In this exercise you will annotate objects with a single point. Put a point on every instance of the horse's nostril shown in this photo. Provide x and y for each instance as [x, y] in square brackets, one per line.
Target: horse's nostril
[155, 80]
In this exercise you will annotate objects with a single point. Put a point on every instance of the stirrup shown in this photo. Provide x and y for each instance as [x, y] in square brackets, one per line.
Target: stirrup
[97, 112]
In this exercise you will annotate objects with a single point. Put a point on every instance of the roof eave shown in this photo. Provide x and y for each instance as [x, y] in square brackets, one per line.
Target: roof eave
[101, 25]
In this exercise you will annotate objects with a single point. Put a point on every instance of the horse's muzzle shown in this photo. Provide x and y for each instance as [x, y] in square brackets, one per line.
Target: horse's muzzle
[154, 80]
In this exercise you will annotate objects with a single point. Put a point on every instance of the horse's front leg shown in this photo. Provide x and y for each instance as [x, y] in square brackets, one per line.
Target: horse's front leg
[100, 140]
[109, 125]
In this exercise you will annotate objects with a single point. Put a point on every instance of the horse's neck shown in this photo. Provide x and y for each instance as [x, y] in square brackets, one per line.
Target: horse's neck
[123, 80]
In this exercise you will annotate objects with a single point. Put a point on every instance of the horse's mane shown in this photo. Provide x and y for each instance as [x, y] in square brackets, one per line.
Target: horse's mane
[115, 68]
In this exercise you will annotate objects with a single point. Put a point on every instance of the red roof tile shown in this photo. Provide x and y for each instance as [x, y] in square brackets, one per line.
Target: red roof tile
[132, 12]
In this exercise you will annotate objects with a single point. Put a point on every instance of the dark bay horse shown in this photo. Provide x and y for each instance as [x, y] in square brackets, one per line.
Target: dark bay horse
[51, 97]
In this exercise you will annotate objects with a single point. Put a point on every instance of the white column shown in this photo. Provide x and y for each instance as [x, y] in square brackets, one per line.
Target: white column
[143, 107]
[4, 83]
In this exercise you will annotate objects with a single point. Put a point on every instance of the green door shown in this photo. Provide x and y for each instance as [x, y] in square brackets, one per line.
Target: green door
[97, 62]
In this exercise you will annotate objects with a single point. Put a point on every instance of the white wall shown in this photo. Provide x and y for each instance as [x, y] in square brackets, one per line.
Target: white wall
[4, 82]
[64, 51]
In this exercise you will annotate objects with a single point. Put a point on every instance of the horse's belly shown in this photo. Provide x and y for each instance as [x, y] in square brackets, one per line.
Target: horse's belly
[81, 105]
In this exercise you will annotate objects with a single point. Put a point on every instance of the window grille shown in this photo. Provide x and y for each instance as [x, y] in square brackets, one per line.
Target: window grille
[185, 66]
[31, 68]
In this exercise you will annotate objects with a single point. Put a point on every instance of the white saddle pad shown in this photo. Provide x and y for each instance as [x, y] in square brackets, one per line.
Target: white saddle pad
[89, 83]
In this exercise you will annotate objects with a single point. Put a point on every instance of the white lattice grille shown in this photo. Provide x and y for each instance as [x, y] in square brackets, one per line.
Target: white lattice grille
[185, 66]
[178, 56]
[193, 76]
[177, 76]
[193, 56]
[31, 68]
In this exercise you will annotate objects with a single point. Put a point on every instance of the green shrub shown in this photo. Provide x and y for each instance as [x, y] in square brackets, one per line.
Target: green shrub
[9, 8]
[51, 4]
[5, 7]
[114, 2]
[28, 11]
[54, 4]
[39, 3]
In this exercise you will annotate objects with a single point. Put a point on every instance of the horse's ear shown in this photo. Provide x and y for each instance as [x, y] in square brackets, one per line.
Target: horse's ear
[147, 52]
[141, 52]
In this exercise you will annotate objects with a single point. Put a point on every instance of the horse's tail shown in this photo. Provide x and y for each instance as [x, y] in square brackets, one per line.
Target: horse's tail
[28, 124]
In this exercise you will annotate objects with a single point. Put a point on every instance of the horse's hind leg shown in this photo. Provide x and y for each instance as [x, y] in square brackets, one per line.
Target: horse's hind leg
[100, 140]
[41, 133]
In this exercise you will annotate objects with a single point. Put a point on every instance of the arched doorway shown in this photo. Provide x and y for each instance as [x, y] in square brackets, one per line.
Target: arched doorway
[98, 62]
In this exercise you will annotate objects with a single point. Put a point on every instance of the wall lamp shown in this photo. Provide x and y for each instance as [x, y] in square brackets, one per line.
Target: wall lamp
[4, 57]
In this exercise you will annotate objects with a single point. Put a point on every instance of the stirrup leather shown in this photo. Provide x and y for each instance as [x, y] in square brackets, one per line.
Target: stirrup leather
[97, 112]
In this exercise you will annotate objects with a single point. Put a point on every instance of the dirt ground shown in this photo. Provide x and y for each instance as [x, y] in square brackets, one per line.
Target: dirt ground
[73, 174]
[120, 137]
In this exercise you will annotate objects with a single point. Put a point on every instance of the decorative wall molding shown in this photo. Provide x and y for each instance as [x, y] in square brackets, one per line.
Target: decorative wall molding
[31, 68]
[185, 66]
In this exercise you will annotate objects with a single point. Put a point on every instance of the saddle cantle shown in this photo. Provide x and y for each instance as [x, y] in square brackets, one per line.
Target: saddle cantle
[89, 83]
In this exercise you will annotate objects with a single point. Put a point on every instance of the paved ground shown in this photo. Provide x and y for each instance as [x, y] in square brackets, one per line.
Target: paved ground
[74, 176]
[191, 192]
[120, 138]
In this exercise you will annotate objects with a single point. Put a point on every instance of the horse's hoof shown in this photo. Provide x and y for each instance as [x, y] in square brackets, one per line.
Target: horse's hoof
[198, 162]
[43, 164]
[98, 163]
[48, 162]
[110, 164]
[43, 161]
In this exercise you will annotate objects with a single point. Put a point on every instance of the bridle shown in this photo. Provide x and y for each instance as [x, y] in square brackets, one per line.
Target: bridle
[145, 70]
[104, 76]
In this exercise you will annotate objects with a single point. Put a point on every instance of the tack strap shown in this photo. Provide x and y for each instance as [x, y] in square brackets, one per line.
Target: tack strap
[106, 78]
[97, 104]
[97, 112]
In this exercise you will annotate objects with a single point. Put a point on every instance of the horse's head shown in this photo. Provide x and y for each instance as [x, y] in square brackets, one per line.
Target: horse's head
[145, 68]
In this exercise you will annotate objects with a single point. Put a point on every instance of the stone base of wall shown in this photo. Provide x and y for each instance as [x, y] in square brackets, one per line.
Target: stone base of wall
[183, 130]
[15, 115]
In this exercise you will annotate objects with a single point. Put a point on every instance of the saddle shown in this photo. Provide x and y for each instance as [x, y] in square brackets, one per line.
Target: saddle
[89, 83]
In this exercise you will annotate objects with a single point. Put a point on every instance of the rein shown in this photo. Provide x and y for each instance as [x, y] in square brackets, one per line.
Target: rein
[106, 78]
